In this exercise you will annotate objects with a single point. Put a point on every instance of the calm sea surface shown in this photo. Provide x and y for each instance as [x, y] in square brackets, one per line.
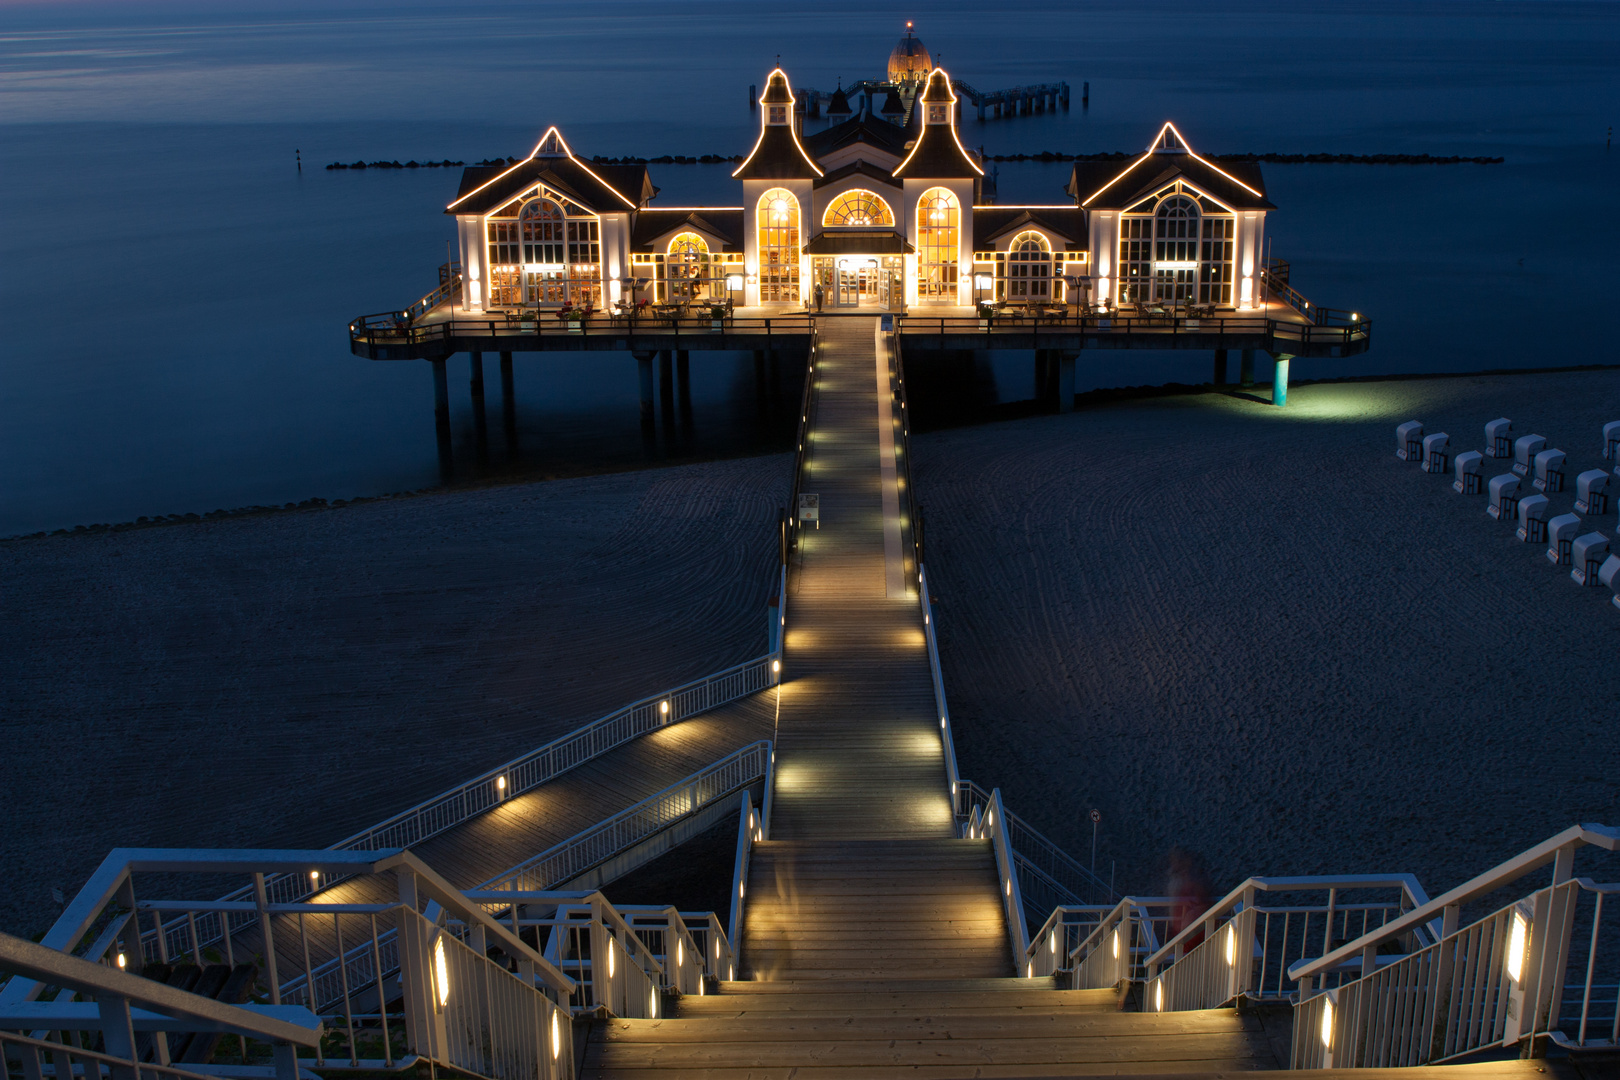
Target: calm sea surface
[177, 291]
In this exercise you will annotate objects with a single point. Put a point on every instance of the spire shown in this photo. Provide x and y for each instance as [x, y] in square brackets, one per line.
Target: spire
[938, 152]
[778, 154]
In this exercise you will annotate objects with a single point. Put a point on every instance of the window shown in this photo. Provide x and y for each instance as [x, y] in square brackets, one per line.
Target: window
[858, 208]
[686, 268]
[1179, 253]
[778, 222]
[542, 222]
[937, 114]
[1215, 261]
[1175, 250]
[778, 114]
[503, 245]
[938, 252]
[1029, 268]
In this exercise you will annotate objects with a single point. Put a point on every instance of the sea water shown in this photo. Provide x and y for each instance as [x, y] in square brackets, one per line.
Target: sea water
[177, 291]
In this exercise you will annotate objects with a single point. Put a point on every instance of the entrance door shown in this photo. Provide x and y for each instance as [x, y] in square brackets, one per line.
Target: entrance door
[849, 284]
[884, 288]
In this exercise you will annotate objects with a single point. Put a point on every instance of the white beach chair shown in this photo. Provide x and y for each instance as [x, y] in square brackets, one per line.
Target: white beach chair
[1586, 555]
[1611, 442]
[1436, 453]
[1466, 466]
[1533, 512]
[1504, 497]
[1525, 450]
[1592, 492]
[1561, 532]
[1550, 471]
[1499, 438]
[1609, 574]
[1409, 440]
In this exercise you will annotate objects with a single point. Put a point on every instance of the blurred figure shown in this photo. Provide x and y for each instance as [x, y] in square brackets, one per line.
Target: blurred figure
[1188, 887]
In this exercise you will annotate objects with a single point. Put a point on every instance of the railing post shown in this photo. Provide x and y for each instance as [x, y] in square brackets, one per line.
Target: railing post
[414, 980]
[118, 1035]
[262, 904]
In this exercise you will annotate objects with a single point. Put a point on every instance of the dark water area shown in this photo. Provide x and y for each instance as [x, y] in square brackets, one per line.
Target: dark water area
[178, 291]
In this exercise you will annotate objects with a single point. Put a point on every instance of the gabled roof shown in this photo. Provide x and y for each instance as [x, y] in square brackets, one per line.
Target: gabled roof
[858, 168]
[724, 223]
[551, 162]
[778, 155]
[877, 133]
[990, 223]
[938, 152]
[1101, 185]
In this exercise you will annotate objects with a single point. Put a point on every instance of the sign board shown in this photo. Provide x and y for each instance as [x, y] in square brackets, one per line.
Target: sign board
[810, 508]
[888, 323]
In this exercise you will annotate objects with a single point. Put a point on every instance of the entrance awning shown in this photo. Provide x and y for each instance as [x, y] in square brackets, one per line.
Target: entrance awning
[873, 243]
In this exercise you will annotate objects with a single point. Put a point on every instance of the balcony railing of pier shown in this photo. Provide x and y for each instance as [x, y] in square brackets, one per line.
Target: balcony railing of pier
[400, 328]
[1327, 326]
[1099, 945]
[1537, 968]
[793, 524]
[499, 1019]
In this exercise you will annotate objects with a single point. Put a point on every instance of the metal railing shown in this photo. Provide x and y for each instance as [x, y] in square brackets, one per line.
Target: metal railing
[631, 826]
[1100, 945]
[793, 526]
[394, 328]
[1239, 947]
[1328, 326]
[1496, 982]
[449, 287]
[1046, 870]
[991, 823]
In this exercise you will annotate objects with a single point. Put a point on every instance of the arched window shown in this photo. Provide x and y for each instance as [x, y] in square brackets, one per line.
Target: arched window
[938, 250]
[858, 208]
[1175, 250]
[1029, 267]
[542, 222]
[686, 267]
[778, 214]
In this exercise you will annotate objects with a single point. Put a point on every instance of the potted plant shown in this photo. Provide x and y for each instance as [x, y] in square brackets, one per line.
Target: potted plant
[717, 317]
[527, 318]
[986, 313]
[570, 315]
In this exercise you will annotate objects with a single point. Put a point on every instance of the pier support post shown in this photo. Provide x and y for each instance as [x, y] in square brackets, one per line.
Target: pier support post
[475, 361]
[508, 403]
[1220, 368]
[1065, 380]
[441, 414]
[1279, 381]
[1246, 368]
[683, 385]
[666, 382]
[644, 369]
[759, 376]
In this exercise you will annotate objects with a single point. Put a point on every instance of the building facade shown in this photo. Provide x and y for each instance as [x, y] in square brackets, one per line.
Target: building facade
[886, 210]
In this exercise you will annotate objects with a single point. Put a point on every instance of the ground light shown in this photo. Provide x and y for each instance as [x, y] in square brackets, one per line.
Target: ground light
[556, 1036]
[1513, 963]
[1327, 1023]
[441, 974]
[1231, 946]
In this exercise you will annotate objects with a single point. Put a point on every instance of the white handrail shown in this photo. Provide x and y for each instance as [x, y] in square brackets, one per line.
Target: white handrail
[952, 776]
[995, 823]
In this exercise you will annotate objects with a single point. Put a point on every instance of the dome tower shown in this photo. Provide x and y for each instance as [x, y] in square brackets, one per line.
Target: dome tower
[909, 63]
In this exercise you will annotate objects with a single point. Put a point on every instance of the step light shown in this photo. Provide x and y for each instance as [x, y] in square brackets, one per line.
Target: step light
[1513, 964]
[1327, 1024]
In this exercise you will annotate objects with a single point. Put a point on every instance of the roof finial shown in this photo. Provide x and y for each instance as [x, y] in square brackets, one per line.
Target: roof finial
[908, 28]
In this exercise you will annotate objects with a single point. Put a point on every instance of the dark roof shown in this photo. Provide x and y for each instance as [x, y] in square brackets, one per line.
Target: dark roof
[600, 193]
[651, 224]
[858, 243]
[776, 89]
[991, 222]
[858, 168]
[938, 153]
[891, 104]
[839, 105]
[1118, 186]
[938, 88]
[879, 133]
[777, 156]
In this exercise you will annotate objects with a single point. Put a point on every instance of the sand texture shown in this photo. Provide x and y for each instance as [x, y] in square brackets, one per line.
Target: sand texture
[287, 679]
[1254, 633]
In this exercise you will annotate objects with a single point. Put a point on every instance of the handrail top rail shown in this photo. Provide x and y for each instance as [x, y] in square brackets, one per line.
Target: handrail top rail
[756, 747]
[248, 906]
[41, 963]
[16, 1038]
[1606, 837]
[1233, 900]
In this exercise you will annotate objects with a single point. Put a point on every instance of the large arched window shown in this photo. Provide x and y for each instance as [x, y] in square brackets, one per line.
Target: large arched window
[1175, 250]
[1029, 267]
[686, 267]
[778, 214]
[938, 250]
[858, 208]
[545, 275]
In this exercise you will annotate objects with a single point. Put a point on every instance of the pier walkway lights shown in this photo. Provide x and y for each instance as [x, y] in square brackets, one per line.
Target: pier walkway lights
[1231, 946]
[1518, 945]
[663, 708]
[1327, 1022]
[441, 972]
[500, 784]
[611, 951]
[1158, 995]
[122, 963]
[556, 1034]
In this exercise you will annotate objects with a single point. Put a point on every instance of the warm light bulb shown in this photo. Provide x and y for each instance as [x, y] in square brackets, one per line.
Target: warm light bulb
[776, 665]
[121, 962]
[1231, 946]
[500, 783]
[1514, 964]
[441, 973]
[1052, 943]
[1158, 997]
[556, 1036]
[680, 953]
[610, 958]
[1116, 944]
[663, 707]
[314, 875]
[1327, 1024]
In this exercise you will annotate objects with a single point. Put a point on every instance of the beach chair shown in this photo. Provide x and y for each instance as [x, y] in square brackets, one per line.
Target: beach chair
[1609, 575]
[1466, 465]
[1409, 441]
[1611, 442]
[1525, 450]
[1561, 532]
[1533, 510]
[1592, 492]
[1504, 497]
[1586, 556]
[1499, 438]
[1436, 452]
[1550, 471]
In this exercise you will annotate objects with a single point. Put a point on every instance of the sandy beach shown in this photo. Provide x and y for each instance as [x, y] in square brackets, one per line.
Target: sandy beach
[1247, 631]
[285, 679]
[1254, 633]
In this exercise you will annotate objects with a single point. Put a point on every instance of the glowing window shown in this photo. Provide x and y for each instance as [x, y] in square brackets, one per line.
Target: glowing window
[858, 208]
[778, 114]
[542, 222]
[687, 268]
[937, 114]
[778, 214]
[938, 254]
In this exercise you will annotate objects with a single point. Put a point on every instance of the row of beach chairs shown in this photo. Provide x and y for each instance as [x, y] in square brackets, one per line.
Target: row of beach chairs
[1586, 554]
